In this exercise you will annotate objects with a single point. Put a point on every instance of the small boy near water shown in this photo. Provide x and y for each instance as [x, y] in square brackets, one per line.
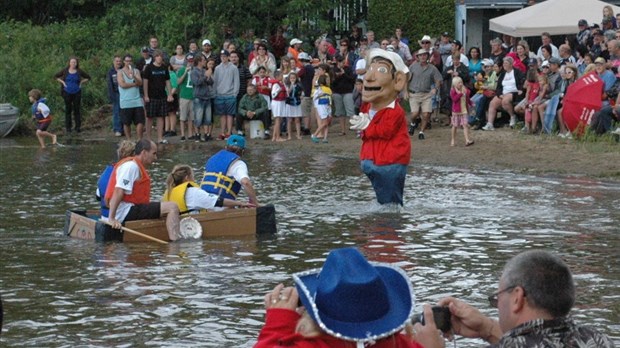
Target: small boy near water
[41, 114]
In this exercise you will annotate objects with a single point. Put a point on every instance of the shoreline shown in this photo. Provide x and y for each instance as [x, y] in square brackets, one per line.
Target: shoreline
[502, 149]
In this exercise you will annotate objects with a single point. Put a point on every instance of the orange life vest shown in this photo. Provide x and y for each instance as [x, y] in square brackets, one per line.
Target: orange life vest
[141, 191]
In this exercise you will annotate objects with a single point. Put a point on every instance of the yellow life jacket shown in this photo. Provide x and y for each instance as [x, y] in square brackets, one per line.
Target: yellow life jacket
[177, 195]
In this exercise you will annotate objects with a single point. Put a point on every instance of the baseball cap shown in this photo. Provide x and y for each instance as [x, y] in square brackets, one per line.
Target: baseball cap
[445, 33]
[145, 49]
[364, 38]
[554, 60]
[190, 57]
[304, 56]
[224, 53]
[295, 41]
[545, 64]
[421, 51]
[600, 60]
[487, 62]
[532, 61]
[236, 140]
[206, 42]
[606, 20]
[582, 22]
[457, 42]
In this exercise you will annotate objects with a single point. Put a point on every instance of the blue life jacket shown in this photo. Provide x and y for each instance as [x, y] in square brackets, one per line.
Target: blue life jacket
[102, 185]
[215, 179]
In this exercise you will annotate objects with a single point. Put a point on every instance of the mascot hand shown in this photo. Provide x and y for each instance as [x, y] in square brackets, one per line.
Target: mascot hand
[359, 122]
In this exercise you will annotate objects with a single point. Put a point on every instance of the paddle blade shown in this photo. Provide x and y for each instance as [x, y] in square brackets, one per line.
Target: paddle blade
[190, 228]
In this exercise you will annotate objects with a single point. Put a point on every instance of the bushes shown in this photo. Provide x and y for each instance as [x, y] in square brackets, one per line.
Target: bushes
[416, 18]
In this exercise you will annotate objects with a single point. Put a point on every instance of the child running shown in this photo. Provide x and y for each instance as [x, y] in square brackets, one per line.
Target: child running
[41, 114]
[293, 104]
[322, 97]
[460, 102]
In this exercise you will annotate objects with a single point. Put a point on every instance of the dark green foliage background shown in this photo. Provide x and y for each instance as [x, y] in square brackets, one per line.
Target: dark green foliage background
[416, 17]
[38, 37]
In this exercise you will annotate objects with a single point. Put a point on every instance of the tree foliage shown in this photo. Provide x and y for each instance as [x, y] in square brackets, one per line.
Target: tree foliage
[416, 18]
[37, 37]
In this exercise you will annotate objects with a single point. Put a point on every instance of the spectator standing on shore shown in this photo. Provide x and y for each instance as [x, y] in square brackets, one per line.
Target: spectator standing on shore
[306, 76]
[144, 60]
[342, 89]
[460, 104]
[226, 84]
[424, 83]
[179, 59]
[157, 95]
[71, 79]
[130, 101]
[245, 77]
[262, 58]
[186, 96]
[113, 95]
[202, 81]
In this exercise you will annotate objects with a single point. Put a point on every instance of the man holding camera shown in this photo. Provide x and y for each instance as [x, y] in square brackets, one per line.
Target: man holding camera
[535, 295]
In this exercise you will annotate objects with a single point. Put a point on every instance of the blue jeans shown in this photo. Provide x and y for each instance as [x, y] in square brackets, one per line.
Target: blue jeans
[388, 181]
[203, 115]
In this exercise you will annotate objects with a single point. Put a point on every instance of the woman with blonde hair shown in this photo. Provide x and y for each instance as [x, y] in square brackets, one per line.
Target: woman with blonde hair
[181, 189]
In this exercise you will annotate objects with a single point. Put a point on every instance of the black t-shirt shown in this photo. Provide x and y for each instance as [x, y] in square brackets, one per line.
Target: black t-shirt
[157, 76]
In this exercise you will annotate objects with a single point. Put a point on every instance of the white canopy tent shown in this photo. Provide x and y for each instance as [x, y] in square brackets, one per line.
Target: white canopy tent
[556, 17]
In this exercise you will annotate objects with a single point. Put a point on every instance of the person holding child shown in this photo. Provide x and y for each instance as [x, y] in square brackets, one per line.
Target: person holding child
[41, 114]
[349, 302]
[460, 105]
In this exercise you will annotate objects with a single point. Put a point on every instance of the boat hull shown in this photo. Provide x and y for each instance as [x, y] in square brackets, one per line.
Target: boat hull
[8, 118]
[85, 224]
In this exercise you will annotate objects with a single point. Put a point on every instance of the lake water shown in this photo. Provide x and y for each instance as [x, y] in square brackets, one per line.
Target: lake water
[455, 232]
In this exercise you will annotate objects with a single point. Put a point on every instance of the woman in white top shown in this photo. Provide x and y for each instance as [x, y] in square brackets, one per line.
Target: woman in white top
[181, 189]
[509, 90]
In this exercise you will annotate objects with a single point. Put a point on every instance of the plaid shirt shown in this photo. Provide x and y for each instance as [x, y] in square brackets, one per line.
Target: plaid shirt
[555, 333]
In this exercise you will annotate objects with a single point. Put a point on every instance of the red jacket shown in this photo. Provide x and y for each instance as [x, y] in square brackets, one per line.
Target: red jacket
[279, 331]
[385, 140]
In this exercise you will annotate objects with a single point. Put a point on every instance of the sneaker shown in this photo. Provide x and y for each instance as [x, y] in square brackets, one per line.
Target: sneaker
[412, 127]
[421, 136]
[166, 134]
[118, 134]
[513, 121]
[617, 131]
[163, 141]
[173, 133]
[488, 127]
[525, 130]
[183, 138]
[267, 132]
[208, 137]
[203, 139]
[240, 133]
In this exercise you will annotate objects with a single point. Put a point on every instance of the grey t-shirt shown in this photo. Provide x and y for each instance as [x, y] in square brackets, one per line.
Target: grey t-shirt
[422, 77]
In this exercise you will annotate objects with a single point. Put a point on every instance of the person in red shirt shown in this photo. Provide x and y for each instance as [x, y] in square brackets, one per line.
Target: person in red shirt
[386, 148]
[349, 302]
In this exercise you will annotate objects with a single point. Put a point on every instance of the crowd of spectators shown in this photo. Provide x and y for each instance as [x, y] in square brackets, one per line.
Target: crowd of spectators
[509, 84]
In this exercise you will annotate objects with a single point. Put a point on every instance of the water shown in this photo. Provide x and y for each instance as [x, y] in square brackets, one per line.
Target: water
[457, 229]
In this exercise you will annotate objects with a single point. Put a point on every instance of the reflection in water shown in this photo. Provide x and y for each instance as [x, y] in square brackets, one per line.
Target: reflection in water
[456, 230]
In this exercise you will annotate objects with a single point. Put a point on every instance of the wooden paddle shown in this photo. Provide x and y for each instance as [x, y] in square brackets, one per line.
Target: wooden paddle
[137, 233]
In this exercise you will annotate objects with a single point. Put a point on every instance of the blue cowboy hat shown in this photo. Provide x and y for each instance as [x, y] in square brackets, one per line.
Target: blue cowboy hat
[354, 299]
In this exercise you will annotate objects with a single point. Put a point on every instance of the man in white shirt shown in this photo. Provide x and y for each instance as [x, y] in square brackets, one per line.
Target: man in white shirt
[546, 40]
[129, 191]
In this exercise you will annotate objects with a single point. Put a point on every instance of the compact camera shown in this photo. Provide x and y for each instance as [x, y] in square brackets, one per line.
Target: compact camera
[442, 318]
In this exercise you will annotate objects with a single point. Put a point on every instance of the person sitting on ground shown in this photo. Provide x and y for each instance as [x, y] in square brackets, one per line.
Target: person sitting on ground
[252, 107]
[509, 90]
[182, 190]
[349, 302]
[129, 192]
[41, 114]
[125, 149]
[536, 293]
[226, 173]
